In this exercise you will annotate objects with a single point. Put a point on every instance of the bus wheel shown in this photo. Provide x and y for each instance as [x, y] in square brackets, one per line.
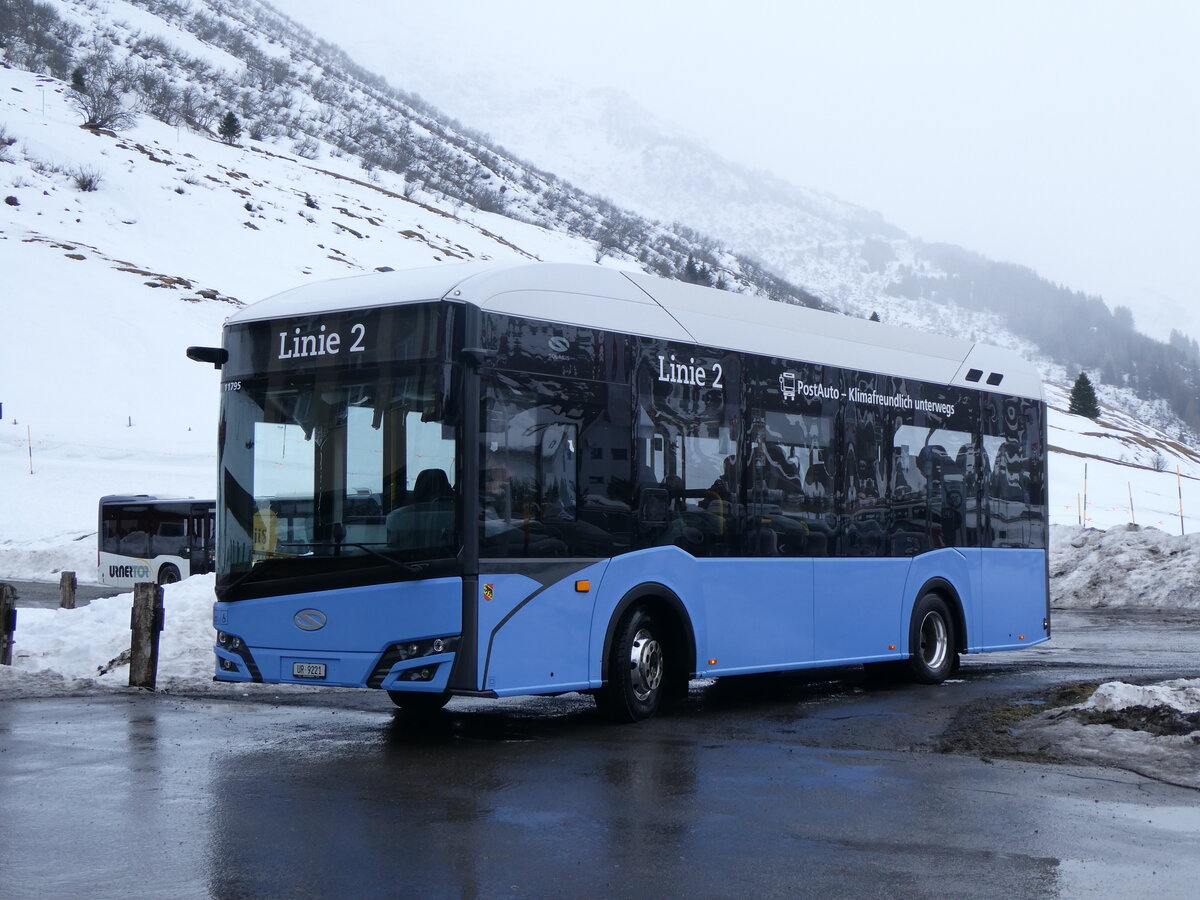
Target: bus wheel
[420, 703]
[933, 646]
[637, 670]
[168, 574]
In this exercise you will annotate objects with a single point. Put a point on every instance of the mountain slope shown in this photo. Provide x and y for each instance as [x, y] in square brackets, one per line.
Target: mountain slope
[191, 66]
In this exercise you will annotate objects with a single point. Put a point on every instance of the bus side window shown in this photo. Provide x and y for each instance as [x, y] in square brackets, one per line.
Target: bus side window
[555, 476]
[559, 495]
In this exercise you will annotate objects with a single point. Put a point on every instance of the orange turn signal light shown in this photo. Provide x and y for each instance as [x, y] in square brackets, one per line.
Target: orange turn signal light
[712, 662]
[583, 587]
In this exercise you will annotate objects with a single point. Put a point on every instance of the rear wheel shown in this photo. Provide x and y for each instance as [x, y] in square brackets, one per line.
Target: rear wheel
[168, 574]
[420, 703]
[636, 671]
[933, 644]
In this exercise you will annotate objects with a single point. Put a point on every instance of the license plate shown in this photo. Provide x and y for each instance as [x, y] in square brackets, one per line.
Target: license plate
[308, 670]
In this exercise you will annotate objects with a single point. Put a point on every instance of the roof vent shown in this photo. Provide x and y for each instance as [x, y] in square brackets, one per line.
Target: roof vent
[974, 374]
[995, 378]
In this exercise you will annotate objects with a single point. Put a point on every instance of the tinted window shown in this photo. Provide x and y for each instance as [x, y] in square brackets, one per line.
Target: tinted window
[686, 430]
[792, 463]
[555, 473]
[1013, 472]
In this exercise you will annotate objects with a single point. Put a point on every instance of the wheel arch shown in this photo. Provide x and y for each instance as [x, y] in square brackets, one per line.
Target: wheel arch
[946, 590]
[658, 597]
[157, 570]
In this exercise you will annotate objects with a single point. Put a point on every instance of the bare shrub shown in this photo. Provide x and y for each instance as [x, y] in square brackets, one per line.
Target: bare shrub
[6, 142]
[307, 148]
[86, 179]
[101, 101]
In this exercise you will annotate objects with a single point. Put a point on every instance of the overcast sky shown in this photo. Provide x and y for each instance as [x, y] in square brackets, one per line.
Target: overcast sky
[1060, 135]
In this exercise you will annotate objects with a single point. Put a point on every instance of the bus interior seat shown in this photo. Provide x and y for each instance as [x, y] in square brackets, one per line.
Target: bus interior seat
[431, 485]
[762, 541]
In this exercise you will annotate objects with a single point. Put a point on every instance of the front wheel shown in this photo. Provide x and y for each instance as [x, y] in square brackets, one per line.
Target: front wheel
[933, 644]
[636, 671]
[168, 574]
[419, 703]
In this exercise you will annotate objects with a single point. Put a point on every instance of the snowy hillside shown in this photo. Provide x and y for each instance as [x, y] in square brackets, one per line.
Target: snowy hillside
[194, 66]
[605, 142]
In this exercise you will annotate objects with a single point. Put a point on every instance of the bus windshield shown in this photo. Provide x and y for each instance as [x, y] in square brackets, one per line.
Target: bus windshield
[351, 474]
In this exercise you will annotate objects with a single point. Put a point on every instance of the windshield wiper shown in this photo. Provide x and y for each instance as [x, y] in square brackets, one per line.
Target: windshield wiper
[414, 568]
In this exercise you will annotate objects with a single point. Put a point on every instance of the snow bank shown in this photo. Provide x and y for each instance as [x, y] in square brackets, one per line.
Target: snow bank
[63, 650]
[1147, 729]
[1182, 694]
[1123, 566]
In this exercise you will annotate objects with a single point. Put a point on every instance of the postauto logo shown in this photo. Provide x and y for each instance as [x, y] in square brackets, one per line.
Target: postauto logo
[139, 571]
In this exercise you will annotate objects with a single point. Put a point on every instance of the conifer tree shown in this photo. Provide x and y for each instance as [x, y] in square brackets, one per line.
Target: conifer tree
[230, 129]
[1083, 398]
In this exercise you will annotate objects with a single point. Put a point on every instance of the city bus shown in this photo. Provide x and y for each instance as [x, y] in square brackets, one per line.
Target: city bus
[490, 480]
[143, 538]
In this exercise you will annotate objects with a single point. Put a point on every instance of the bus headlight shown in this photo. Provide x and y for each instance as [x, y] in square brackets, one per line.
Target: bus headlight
[228, 641]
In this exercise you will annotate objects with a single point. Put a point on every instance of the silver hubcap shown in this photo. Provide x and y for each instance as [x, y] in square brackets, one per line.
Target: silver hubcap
[645, 664]
[934, 644]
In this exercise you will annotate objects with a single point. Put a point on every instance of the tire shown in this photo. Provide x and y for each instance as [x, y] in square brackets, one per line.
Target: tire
[419, 703]
[637, 670]
[168, 574]
[932, 641]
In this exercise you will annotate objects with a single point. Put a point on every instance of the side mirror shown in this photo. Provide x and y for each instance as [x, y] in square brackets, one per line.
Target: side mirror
[218, 356]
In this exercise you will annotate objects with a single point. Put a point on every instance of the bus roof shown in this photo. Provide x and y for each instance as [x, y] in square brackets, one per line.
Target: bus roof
[635, 303]
[146, 499]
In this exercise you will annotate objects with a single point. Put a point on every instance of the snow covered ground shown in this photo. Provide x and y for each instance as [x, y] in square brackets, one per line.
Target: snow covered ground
[62, 651]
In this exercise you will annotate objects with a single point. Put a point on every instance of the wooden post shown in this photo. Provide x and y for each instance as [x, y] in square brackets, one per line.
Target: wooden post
[145, 624]
[66, 590]
[8, 621]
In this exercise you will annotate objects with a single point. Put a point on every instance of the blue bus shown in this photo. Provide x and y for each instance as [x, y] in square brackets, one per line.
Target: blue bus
[491, 480]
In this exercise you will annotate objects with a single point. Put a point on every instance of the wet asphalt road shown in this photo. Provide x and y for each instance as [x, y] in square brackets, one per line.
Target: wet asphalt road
[770, 787]
[43, 595]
